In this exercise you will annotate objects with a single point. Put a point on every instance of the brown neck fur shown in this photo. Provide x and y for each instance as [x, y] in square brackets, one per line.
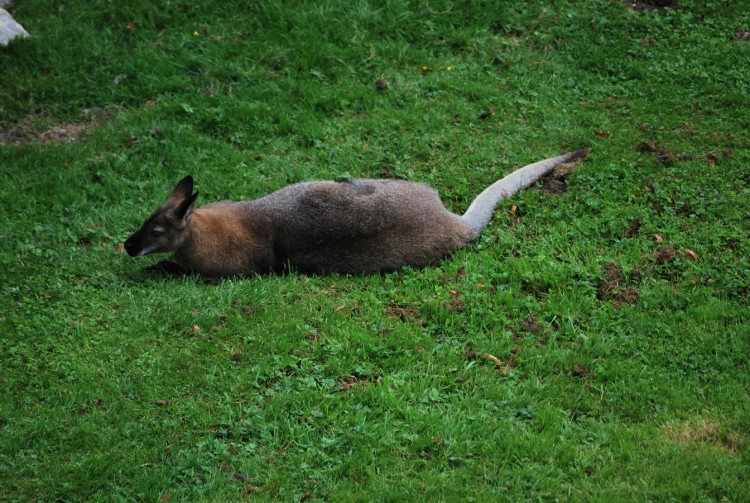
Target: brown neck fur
[219, 242]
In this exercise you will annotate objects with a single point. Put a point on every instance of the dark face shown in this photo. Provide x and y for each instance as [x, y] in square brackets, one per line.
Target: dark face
[157, 235]
[161, 232]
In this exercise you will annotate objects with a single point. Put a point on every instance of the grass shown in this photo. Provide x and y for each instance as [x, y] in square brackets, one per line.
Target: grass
[617, 311]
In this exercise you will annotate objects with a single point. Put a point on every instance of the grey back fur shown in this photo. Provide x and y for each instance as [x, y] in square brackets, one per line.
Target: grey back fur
[357, 226]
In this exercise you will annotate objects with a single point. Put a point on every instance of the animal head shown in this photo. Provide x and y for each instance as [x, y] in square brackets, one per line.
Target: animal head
[163, 231]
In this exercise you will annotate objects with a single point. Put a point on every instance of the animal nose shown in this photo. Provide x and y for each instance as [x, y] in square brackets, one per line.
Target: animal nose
[130, 247]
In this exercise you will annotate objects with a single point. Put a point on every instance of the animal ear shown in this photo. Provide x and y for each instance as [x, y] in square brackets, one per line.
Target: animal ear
[182, 191]
[184, 209]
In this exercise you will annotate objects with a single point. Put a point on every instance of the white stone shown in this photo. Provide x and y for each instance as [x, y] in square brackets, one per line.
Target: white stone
[9, 28]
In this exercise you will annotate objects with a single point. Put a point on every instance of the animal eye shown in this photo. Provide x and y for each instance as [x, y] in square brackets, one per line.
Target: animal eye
[157, 233]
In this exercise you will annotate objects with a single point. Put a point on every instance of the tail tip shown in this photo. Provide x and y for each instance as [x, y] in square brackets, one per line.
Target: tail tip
[580, 153]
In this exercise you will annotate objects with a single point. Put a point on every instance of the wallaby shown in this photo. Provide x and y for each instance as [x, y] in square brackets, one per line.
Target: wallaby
[352, 226]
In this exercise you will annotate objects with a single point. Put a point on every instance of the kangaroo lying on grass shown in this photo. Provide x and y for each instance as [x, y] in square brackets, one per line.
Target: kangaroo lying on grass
[353, 226]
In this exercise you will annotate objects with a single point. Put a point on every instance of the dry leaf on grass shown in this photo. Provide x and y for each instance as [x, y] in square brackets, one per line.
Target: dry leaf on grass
[504, 368]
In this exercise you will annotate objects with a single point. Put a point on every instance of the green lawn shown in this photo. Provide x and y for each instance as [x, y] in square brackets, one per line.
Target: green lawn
[592, 345]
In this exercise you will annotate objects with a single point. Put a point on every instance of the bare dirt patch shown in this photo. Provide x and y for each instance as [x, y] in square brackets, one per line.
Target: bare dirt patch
[614, 285]
[237, 304]
[531, 325]
[556, 182]
[663, 155]
[454, 305]
[21, 134]
[583, 372]
[353, 382]
[38, 129]
[665, 256]
[706, 432]
[382, 84]
[634, 225]
[404, 312]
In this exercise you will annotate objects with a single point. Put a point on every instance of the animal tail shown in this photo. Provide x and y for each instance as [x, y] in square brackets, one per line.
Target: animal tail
[480, 211]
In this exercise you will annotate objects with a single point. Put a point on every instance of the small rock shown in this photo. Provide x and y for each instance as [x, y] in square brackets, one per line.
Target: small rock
[9, 28]
[92, 110]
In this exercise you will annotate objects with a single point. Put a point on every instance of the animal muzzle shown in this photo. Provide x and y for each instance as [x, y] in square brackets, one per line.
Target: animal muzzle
[131, 246]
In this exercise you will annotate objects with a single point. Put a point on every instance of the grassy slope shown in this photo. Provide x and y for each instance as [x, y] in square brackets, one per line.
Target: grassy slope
[627, 372]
